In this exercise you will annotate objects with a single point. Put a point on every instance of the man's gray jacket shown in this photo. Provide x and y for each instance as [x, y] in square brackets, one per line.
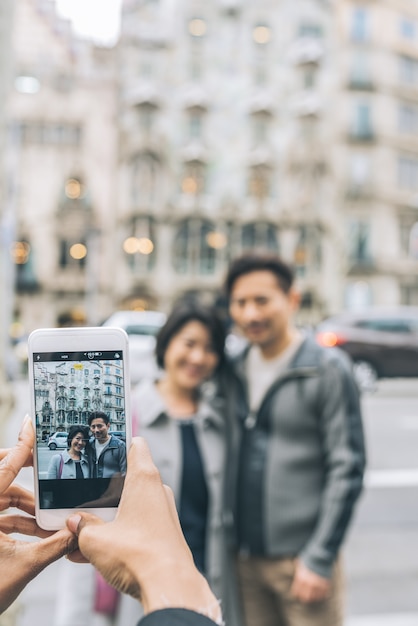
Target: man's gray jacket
[301, 459]
[111, 461]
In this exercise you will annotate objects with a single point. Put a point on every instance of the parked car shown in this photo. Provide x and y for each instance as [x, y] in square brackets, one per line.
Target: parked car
[120, 434]
[57, 440]
[382, 342]
[142, 328]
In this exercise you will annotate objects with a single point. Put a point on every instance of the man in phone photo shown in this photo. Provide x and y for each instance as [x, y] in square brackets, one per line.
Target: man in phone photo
[108, 453]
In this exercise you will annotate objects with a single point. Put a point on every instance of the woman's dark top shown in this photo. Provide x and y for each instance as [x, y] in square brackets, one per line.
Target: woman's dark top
[193, 495]
[78, 470]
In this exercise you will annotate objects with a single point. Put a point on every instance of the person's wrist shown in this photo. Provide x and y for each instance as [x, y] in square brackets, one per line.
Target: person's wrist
[168, 587]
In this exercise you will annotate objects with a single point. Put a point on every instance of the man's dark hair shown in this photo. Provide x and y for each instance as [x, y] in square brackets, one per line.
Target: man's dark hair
[94, 415]
[74, 430]
[259, 262]
[183, 313]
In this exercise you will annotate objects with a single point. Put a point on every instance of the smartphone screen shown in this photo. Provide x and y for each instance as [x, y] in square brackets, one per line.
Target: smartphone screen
[80, 404]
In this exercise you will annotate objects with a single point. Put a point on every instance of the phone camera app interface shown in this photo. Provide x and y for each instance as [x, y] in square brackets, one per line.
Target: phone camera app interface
[80, 428]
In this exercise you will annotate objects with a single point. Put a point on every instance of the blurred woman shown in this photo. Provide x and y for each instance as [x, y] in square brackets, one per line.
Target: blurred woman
[186, 433]
[72, 463]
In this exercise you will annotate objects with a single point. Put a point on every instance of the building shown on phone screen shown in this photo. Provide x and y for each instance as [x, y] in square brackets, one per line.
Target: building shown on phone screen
[66, 393]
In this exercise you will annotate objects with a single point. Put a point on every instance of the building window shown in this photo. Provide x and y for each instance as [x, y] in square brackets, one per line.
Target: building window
[408, 173]
[195, 123]
[359, 171]
[307, 253]
[72, 253]
[408, 70]
[260, 124]
[408, 119]
[362, 127]
[310, 29]
[144, 174]
[309, 77]
[259, 235]
[360, 71]
[139, 245]
[196, 68]
[358, 296]
[259, 183]
[25, 274]
[408, 236]
[360, 25]
[146, 64]
[146, 114]
[193, 180]
[409, 292]
[407, 28]
[46, 134]
[359, 242]
[194, 250]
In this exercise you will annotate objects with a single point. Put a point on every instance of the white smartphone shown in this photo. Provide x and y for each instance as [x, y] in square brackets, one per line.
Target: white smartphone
[79, 383]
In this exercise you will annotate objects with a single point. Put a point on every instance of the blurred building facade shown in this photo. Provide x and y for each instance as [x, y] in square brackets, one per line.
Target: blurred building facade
[213, 128]
[64, 143]
[6, 281]
[376, 171]
[224, 125]
[237, 133]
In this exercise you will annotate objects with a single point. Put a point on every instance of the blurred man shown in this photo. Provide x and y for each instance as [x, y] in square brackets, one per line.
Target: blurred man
[301, 458]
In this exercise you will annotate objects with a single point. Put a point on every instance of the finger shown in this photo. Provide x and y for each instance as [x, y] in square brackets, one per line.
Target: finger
[88, 528]
[173, 507]
[19, 498]
[16, 457]
[142, 476]
[5, 451]
[52, 548]
[22, 525]
[76, 523]
[77, 557]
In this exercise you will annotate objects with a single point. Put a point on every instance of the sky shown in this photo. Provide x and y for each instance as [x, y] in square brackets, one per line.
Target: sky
[96, 19]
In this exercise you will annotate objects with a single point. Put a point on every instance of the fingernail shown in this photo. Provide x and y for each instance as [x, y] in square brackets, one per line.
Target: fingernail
[25, 423]
[73, 522]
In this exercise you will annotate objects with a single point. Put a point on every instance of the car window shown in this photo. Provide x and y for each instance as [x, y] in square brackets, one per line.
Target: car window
[386, 325]
[146, 329]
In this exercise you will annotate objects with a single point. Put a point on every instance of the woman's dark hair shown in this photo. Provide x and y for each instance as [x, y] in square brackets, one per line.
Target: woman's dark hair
[259, 262]
[182, 314]
[74, 430]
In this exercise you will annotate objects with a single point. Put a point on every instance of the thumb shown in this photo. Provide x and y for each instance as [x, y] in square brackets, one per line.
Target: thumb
[87, 527]
[78, 521]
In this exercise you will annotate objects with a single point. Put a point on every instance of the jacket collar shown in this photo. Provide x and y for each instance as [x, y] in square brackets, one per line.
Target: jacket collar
[151, 407]
[305, 359]
[67, 458]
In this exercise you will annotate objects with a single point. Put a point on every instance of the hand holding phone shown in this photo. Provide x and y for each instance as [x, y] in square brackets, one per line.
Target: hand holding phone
[146, 553]
[79, 382]
[21, 561]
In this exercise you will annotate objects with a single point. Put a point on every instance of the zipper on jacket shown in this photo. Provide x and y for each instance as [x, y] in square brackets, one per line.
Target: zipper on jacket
[251, 420]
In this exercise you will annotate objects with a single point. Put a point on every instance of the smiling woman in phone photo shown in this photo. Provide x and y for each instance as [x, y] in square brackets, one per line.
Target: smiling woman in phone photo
[72, 463]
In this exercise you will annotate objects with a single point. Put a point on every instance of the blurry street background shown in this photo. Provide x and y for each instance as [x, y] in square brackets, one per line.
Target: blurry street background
[148, 142]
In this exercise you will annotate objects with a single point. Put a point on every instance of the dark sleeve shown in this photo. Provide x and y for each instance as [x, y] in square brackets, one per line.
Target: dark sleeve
[340, 419]
[175, 617]
[122, 456]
